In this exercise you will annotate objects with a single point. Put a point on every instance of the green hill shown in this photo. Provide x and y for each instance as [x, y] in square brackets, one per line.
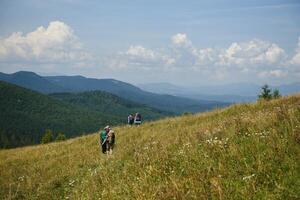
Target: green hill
[32, 81]
[109, 104]
[58, 84]
[248, 151]
[25, 114]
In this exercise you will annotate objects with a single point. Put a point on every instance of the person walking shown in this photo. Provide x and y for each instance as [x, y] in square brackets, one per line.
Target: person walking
[130, 119]
[110, 142]
[103, 138]
[137, 119]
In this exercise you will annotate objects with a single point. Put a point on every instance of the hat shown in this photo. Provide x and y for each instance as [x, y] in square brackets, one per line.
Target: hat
[106, 127]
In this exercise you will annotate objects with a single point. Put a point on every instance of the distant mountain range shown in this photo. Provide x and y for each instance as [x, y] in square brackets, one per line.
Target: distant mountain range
[32, 81]
[26, 114]
[240, 92]
[58, 84]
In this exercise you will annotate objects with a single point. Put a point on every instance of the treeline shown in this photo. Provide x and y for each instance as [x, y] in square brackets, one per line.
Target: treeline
[267, 93]
[50, 137]
[13, 140]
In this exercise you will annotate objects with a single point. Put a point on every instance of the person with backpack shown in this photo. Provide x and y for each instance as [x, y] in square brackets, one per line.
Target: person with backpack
[110, 142]
[130, 119]
[103, 138]
[137, 119]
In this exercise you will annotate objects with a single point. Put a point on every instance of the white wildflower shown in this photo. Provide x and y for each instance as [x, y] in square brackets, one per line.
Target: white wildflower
[248, 177]
[71, 183]
[21, 178]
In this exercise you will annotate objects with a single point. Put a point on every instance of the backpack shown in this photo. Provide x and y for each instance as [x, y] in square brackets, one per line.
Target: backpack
[138, 117]
[112, 137]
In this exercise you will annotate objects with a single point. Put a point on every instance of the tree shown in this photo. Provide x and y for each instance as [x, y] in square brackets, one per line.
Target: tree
[61, 137]
[48, 136]
[265, 93]
[276, 94]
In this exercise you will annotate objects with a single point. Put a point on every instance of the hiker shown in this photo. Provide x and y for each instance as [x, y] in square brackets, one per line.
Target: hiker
[130, 119]
[137, 119]
[110, 142]
[103, 138]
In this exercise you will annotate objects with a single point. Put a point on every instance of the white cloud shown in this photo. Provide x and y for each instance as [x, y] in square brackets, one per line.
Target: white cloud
[141, 52]
[273, 73]
[55, 43]
[251, 57]
[296, 58]
[140, 57]
[252, 53]
[180, 39]
[254, 58]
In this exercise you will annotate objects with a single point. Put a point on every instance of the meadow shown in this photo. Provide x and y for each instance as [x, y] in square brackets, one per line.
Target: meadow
[245, 151]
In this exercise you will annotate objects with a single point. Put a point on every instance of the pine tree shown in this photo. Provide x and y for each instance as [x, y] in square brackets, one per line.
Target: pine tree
[48, 137]
[276, 94]
[60, 137]
[265, 93]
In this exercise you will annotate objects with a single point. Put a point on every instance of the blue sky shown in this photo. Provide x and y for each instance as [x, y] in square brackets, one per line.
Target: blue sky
[182, 42]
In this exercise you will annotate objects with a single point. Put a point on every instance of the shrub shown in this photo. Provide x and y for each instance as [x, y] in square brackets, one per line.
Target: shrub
[48, 137]
[61, 137]
[276, 94]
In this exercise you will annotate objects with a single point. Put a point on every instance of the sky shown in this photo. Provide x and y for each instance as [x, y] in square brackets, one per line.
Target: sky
[147, 41]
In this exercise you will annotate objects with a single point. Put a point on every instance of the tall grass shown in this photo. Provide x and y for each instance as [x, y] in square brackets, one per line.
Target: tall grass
[249, 151]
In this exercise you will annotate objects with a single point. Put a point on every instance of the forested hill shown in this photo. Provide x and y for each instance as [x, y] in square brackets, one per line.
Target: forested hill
[32, 81]
[125, 90]
[57, 84]
[26, 114]
[109, 104]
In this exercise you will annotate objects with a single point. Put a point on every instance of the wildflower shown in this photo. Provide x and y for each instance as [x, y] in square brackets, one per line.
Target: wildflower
[181, 152]
[146, 147]
[21, 178]
[248, 177]
[187, 144]
[71, 183]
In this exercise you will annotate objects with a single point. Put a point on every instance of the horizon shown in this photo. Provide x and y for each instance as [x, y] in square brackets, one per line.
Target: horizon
[158, 83]
[181, 43]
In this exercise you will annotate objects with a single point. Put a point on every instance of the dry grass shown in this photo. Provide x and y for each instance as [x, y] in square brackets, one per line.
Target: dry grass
[247, 151]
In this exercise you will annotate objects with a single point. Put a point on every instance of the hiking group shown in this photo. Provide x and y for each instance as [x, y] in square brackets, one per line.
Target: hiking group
[108, 138]
[137, 119]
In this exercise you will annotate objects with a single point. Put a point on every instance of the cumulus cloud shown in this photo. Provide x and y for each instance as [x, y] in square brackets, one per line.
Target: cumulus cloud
[141, 57]
[258, 57]
[273, 73]
[55, 43]
[141, 52]
[180, 39]
[253, 53]
[296, 58]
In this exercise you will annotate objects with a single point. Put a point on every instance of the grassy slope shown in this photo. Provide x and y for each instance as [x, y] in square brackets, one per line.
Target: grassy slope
[242, 152]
